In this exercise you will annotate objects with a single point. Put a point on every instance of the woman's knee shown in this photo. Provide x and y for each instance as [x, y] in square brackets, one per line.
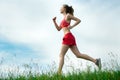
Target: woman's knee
[78, 55]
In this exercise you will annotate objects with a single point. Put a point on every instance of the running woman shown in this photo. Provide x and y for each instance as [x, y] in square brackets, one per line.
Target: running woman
[69, 39]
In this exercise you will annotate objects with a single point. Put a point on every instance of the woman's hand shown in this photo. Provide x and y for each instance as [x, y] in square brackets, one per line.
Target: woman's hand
[56, 25]
[54, 19]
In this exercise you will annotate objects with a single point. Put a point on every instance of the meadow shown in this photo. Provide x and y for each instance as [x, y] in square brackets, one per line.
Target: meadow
[96, 75]
[113, 73]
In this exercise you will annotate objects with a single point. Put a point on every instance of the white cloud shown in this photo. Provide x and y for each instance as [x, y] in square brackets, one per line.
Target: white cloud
[30, 23]
[100, 22]
[20, 25]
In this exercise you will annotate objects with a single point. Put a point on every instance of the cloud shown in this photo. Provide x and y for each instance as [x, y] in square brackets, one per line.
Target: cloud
[100, 22]
[27, 26]
[15, 53]
[98, 33]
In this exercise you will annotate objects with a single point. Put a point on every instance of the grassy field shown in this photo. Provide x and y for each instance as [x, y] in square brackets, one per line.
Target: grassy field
[96, 75]
[111, 72]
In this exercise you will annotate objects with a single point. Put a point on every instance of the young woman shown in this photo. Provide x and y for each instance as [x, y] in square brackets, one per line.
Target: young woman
[69, 39]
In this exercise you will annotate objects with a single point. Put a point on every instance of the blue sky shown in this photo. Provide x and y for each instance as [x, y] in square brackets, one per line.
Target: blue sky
[27, 31]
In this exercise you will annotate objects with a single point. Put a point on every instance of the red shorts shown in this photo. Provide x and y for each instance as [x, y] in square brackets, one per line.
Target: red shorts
[69, 39]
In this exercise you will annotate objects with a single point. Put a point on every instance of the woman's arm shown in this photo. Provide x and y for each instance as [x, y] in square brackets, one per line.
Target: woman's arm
[56, 25]
[77, 21]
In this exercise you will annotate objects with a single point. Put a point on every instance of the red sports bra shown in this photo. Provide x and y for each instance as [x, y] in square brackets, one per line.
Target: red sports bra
[64, 23]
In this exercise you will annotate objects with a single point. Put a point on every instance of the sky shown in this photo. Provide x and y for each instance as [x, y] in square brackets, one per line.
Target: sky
[27, 33]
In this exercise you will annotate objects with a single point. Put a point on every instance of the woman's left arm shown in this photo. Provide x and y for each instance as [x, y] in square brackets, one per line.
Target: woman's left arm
[77, 21]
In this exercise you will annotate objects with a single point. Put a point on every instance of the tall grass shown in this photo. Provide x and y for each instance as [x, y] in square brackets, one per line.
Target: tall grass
[111, 72]
[96, 75]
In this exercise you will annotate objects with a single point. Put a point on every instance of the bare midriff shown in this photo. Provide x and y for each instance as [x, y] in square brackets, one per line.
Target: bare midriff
[66, 30]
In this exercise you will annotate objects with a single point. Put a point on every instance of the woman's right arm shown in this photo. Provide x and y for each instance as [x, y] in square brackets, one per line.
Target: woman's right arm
[56, 25]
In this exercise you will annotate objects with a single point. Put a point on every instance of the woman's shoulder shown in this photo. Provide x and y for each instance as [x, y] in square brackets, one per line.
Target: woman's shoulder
[69, 16]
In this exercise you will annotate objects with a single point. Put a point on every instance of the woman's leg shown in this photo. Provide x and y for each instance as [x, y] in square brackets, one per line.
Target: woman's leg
[64, 49]
[75, 50]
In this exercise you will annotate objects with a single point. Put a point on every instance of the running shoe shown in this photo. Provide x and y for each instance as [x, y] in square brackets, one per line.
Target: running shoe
[98, 63]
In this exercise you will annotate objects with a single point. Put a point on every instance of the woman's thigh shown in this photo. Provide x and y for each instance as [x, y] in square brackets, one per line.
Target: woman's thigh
[64, 49]
[75, 50]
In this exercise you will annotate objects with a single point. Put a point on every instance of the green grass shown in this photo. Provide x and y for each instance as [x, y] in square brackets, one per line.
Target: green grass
[111, 72]
[84, 75]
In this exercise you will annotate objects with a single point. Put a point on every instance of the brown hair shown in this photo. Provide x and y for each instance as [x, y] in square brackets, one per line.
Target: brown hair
[69, 9]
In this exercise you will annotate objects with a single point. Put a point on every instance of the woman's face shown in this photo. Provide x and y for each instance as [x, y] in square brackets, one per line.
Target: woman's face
[62, 9]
